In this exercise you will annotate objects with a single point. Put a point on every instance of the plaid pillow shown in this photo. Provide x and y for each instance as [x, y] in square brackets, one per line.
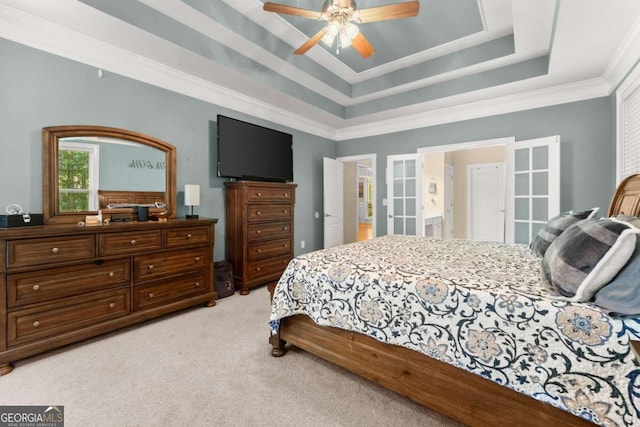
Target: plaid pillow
[587, 255]
[555, 226]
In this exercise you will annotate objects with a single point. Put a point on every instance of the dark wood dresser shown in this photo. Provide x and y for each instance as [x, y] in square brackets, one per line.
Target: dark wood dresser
[65, 283]
[259, 231]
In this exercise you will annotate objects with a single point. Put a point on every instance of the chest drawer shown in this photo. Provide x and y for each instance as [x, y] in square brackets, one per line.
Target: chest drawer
[164, 292]
[126, 243]
[269, 212]
[190, 236]
[22, 253]
[272, 267]
[42, 286]
[268, 231]
[149, 267]
[66, 316]
[268, 249]
[272, 194]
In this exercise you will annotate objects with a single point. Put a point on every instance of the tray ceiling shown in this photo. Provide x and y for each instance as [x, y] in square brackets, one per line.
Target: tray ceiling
[457, 59]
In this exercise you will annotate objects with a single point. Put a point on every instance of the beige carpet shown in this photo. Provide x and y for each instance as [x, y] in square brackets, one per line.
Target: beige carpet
[204, 367]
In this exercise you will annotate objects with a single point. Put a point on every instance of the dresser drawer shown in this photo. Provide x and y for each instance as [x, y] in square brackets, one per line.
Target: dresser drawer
[27, 252]
[149, 267]
[188, 236]
[167, 291]
[269, 231]
[269, 249]
[272, 267]
[269, 212]
[54, 283]
[127, 243]
[66, 315]
[272, 194]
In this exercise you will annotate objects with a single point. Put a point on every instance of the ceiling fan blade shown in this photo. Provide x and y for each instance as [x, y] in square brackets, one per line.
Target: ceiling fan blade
[390, 11]
[362, 45]
[311, 42]
[290, 10]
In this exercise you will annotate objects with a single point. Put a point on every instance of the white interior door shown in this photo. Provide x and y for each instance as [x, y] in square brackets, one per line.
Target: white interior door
[533, 182]
[448, 201]
[333, 202]
[486, 195]
[402, 195]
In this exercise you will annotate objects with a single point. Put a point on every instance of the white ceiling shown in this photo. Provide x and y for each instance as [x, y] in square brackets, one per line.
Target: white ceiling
[527, 54]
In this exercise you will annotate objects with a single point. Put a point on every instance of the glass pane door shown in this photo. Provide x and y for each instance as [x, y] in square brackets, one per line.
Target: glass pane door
[534, 186]
[402, 200]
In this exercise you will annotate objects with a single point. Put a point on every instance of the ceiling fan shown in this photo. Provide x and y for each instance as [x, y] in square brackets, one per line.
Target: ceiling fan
[341, 17]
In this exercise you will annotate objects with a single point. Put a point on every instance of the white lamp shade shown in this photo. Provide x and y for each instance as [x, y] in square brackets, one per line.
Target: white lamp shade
[192, 195]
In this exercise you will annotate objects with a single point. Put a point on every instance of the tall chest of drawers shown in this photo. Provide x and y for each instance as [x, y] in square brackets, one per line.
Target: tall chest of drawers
[259, 231]
[62, 284]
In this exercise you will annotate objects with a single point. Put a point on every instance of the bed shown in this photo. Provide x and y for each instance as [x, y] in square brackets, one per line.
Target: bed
[469, 329]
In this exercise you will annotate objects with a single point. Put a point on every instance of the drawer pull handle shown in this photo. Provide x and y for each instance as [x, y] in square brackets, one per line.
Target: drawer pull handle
[259, 232]
[55, 250]
[189, 236]
[258, 213]
[36, 323]
[151, 295]
[259, 194]
[284, 211]
[258, 268]
[133, 242]
[111, 274]
[285, 245]
[286, 194]
[197, 284]
[285, 228]
[150, 267]
[36, 287]
[259, 250]
[197, 258]
[112, 305]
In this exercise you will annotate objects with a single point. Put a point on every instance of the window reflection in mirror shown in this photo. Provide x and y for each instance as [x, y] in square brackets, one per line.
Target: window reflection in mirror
[89, 164]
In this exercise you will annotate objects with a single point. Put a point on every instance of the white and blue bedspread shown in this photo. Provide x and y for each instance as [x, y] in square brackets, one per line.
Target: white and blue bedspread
[479, 306]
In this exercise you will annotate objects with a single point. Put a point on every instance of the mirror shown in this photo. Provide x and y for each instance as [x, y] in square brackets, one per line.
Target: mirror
[86, 168]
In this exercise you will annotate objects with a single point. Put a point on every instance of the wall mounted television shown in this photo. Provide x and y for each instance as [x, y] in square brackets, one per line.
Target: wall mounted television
[249, 151]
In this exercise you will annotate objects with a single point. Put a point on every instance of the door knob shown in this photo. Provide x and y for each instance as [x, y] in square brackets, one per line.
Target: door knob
[326, 215]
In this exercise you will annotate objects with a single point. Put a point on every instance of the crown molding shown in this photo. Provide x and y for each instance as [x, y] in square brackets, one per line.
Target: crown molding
[526, 100]
[625, 57]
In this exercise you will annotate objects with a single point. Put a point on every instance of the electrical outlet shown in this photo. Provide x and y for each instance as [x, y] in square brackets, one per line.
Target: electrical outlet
[302, 244]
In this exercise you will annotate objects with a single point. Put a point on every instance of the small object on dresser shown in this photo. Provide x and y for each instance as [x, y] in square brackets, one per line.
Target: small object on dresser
[20, 220]
[126, 217]
[223, 283]
[143, 213]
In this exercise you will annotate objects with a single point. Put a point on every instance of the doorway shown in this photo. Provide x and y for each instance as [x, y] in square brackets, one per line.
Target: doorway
[359, 196]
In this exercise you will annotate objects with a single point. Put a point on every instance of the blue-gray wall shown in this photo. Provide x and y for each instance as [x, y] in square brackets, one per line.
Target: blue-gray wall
[587, 141]
[38, 89]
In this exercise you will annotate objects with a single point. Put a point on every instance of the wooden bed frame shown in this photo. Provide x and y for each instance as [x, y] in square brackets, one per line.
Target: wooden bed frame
[454, 392]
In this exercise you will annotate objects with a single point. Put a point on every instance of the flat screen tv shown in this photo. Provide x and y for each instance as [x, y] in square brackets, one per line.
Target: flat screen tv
[249, 151]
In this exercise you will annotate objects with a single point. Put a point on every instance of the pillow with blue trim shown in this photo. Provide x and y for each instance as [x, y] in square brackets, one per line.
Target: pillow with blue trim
[621, 296]
[555, 226]
[587, 256]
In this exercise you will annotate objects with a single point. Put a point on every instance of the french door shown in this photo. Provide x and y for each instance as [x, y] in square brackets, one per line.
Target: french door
[404, 207]
[533, 186]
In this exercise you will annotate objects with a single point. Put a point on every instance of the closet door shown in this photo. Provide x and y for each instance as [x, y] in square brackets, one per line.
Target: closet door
[533, 186]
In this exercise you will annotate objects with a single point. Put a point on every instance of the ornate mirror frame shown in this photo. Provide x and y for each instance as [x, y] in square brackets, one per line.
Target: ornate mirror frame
[50, 141]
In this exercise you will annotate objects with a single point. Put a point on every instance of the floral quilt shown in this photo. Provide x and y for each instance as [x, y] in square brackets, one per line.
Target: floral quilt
[479, 306]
